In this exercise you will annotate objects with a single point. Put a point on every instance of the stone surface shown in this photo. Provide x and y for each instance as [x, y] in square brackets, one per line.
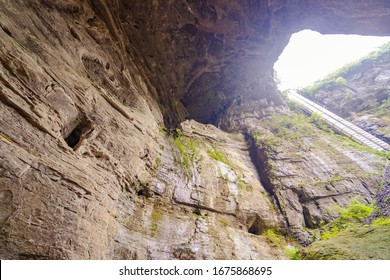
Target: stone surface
[310, 172]
[361, 243]
[382, 207]
[364, 96]
[90, 91]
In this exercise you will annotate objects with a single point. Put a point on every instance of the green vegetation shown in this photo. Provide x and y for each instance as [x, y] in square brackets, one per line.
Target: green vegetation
[242, 185]
[339, 76]
[199, 215]
[382, 221]
[358, 243]
[348, 142]
[158, 162]
[298, 125]
[347, 96]
[383, 109]
[186, 150]
[293, 253]
[287, 127]
[291, 248]
[155, 218]
[331, 180]
[355, 213]
[341, 81]
[319, 122]
[217, 155]
[272, 236]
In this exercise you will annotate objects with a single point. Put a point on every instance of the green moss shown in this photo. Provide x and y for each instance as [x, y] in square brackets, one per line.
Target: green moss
[291, 127]
[203, 216]
[186, 150]
[383, 109]
[382, 221]
[158, 162]
[217, 155]
[317, 182]
[347, 142]
[319, 122]
[293, 253]
[355, 213]
[272, 236]
[155, 218]
[360, 242]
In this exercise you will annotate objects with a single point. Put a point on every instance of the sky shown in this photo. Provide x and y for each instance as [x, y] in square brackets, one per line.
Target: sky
[310, 56]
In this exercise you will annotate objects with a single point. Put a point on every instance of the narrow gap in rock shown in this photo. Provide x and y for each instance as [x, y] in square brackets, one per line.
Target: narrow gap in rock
[259, 160]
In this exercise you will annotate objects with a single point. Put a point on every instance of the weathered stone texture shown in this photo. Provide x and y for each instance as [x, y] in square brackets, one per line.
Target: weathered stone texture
[88, 92]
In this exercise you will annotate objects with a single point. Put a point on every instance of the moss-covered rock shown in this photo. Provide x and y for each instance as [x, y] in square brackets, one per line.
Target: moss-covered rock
[360, 243]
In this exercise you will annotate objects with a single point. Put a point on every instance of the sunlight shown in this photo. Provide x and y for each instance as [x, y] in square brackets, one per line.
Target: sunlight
[310, 56]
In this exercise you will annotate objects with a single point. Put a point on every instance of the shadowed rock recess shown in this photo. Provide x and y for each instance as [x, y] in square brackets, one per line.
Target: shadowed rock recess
[127, 129]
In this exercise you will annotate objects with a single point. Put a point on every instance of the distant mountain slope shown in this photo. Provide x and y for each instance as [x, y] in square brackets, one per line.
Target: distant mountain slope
[359, 92]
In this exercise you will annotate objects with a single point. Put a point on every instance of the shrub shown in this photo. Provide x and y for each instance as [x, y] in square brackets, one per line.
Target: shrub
[341, 81]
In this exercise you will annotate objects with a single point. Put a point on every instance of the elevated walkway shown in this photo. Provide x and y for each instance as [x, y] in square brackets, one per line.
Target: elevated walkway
[339, 124]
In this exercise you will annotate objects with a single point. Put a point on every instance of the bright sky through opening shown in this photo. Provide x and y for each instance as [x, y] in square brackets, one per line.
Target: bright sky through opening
[310, 56]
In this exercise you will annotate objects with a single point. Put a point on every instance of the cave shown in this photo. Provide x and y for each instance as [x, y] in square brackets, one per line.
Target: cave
[77, 134]
[140, 69]
[74, 137]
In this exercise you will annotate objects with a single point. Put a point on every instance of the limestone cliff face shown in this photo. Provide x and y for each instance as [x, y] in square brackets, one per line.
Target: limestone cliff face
[360, 92]
[91, 166]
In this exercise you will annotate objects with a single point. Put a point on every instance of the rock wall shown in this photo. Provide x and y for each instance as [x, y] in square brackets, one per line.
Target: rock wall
[359, 92]
[91, 166]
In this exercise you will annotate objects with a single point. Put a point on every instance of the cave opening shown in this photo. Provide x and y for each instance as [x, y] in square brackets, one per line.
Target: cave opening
[76, 135]
[310, 56]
